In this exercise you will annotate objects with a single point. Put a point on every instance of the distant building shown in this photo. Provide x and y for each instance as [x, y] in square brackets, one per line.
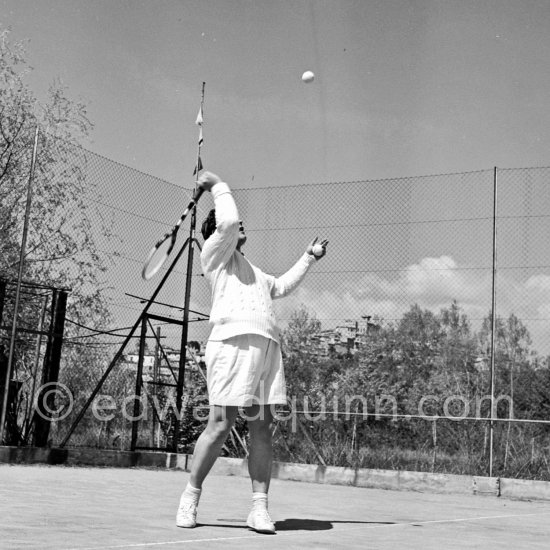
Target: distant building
[351, 336]
[343, 339]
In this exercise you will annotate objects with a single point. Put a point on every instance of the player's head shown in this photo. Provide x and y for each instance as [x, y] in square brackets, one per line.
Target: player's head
[209, 226]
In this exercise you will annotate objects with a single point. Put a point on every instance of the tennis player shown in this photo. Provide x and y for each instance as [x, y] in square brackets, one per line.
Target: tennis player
[243, 357]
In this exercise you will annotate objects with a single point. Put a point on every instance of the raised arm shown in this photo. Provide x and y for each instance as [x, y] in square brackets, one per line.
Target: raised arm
[219, 247]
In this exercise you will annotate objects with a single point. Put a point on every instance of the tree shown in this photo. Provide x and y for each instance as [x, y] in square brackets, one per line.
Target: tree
[310, 378]
[298, 341]
[62, 247]
[512, 350]
[457, 353]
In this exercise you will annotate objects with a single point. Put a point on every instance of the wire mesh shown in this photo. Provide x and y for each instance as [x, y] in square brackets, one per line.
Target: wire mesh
[399, 309]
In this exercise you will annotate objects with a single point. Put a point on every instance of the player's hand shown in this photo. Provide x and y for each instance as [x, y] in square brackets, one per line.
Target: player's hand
[207, 180]
[317, 248]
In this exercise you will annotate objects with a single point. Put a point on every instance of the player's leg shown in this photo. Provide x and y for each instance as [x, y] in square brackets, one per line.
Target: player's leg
[207, 450]
[260, 460]
[209, 444]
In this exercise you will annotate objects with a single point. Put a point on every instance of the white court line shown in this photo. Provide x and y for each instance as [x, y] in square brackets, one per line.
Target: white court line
[305, 532]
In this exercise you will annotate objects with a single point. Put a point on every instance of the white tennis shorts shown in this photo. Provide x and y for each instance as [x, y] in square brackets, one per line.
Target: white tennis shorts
[245, 370]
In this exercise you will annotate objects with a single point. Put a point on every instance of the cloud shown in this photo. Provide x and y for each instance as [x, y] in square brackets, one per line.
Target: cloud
[432, 283]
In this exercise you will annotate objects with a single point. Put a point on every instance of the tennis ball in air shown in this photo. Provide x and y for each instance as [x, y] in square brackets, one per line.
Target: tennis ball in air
[317, 250]
[308, 77]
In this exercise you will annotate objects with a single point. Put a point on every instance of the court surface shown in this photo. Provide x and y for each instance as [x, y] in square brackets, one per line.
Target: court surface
[49, 507]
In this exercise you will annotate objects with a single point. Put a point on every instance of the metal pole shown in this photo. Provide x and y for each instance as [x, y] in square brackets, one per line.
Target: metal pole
[139, 384]
[493, 322]
[156, 371]
[188, 280]
[18, 289]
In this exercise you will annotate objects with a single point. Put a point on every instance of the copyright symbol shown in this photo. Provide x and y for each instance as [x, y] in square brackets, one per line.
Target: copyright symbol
[54, 400]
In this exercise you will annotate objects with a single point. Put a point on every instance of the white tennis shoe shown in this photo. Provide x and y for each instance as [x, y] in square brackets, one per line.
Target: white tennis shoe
[259, 521]
[187, 515]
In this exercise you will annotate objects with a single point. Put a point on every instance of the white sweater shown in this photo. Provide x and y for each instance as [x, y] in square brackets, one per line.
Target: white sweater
[242, 294]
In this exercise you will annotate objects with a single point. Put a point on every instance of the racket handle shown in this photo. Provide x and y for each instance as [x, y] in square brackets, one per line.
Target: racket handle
[197, 194]
[193, 202]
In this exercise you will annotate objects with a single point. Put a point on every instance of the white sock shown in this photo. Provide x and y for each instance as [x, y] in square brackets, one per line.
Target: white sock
[259, 500]
[191, 495]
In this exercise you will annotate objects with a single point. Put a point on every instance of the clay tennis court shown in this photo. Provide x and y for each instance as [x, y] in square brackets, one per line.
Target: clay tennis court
[80, 508]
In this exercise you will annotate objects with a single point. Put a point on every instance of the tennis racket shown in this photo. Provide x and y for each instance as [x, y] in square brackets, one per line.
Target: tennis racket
[160, 252]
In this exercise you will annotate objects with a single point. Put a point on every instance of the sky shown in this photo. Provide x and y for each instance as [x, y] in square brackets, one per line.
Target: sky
[402, 87]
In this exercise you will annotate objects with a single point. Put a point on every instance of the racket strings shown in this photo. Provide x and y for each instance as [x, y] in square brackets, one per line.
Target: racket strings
[159, 255]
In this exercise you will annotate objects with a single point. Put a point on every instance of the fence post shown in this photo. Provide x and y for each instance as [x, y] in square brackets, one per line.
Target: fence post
[493, 321]
[50, 375]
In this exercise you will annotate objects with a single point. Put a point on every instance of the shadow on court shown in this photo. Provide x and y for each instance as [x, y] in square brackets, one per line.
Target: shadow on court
[303, 524]
[294, 524]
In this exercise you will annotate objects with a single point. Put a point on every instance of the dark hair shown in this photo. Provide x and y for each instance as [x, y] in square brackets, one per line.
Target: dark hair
[209, 224]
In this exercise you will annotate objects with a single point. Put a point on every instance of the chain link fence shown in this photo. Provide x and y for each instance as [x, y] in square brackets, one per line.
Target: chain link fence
[392, 353]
